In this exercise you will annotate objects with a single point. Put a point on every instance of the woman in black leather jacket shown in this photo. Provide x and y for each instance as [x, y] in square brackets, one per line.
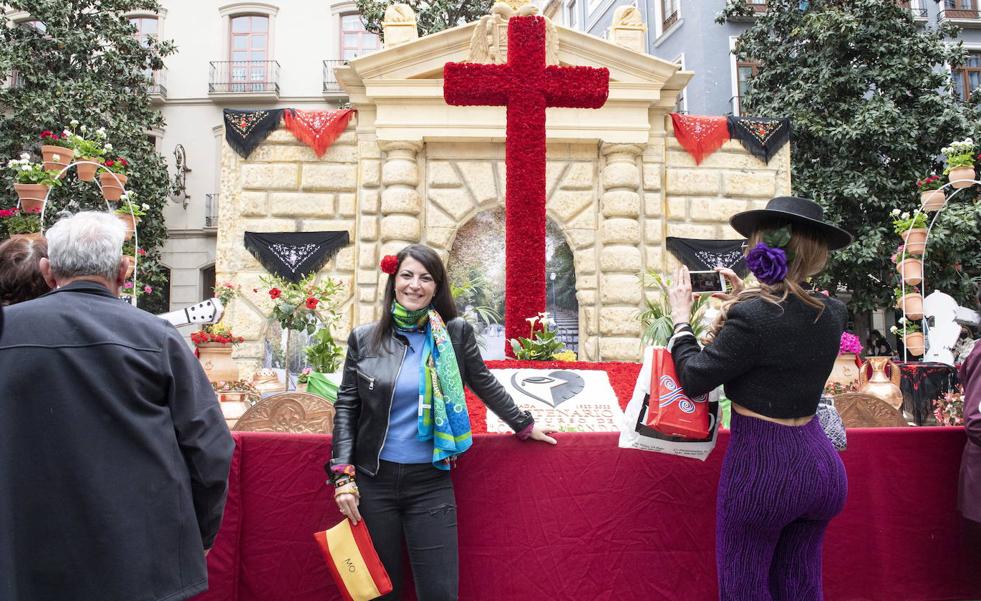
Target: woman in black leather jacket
[401, 419]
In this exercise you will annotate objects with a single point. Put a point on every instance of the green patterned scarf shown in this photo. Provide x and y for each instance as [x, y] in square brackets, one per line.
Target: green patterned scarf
[443, 416]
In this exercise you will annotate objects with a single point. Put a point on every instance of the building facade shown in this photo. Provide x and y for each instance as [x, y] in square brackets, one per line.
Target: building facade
[242, 55]
[685, 32]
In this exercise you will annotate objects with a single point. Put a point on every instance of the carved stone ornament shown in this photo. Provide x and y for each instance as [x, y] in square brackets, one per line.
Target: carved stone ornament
[293, 412]
[628, 17]
[399, 25]
[489, 43]
[859, 410]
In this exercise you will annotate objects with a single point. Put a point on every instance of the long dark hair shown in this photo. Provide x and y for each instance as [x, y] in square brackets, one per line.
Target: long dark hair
[442, 298]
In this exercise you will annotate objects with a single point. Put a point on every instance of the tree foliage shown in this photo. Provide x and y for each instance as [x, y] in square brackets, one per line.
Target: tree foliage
[431, 15]
[86, 63]
[872, 104]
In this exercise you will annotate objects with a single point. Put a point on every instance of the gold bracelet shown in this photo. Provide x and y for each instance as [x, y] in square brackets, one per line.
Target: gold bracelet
[350, 489]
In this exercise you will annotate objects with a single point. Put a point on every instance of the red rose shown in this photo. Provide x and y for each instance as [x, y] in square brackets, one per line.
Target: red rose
[275, 293]
[123, 162]
[312, 303]
[389, 264]
[140, 251]
[46, 133]
[109, 163]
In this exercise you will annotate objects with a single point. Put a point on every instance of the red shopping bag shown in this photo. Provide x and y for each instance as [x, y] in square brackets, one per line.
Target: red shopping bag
[353, 562]
[670, 410]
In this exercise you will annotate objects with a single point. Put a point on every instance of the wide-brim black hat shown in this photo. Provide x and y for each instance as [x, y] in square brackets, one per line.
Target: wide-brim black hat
[793, 210]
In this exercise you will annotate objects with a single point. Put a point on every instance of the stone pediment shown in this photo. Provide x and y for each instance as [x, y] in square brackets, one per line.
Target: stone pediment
[402, 88]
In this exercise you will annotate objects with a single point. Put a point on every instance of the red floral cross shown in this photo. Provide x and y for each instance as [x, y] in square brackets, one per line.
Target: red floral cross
[526, 86]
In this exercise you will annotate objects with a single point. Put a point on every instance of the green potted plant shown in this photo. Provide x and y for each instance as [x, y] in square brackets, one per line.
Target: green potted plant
[325, 358]
[541, 344]
[931, 196]
[303, 306]
[113, 181]
[960, 157]
[56, 151]
[89, 150]
[31, 182]
[131, 252]
[912, 336]
[19, 223]
[657, 327]
[130, 212]
[912, 229]
[910, 303]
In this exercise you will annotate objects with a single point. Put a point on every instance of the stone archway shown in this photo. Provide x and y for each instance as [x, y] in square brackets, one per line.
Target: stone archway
[465, 191]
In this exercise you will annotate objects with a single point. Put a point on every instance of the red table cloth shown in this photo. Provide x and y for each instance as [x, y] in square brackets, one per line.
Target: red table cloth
[589, 521]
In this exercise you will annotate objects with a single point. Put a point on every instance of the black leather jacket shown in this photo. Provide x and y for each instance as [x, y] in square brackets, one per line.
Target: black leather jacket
[364, 400]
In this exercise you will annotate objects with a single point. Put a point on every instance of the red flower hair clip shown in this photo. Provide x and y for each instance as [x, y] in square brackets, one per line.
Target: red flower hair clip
[389, 264]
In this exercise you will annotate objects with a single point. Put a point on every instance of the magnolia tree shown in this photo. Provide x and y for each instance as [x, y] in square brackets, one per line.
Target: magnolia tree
[431, 15]
[82, 62]
[872, 106]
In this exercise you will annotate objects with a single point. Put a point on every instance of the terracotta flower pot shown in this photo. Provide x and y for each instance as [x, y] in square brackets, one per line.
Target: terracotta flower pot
[56, 158]
[911, 305]
[932, 200]
[34, 236]
[911, 271]
[112, 189]
[216, 359]
[915, 240]
[914, 343]
[86, 169]
[31, 195]
[130, 222]
[132, 265]
[961, 177]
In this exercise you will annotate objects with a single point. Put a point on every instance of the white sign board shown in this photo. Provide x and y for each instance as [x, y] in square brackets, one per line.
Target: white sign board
[564, 400]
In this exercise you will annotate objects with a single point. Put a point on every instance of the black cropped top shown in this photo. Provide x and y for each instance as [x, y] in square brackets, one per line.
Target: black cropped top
[773, 360]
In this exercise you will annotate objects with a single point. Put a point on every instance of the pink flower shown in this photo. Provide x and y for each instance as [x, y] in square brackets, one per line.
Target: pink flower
[127, 285]
[140, 251]
[147, 289]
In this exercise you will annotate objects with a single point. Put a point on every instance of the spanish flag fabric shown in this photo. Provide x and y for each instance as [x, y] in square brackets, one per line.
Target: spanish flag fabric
[352, 561]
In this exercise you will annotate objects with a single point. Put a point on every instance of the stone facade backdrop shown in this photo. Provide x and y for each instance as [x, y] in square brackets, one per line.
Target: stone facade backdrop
[615, 196]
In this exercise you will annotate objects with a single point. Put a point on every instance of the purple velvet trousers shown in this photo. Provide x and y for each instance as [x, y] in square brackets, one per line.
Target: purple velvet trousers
[780, 486]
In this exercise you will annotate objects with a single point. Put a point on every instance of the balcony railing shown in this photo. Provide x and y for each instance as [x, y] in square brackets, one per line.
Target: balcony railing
[244, 77]
[918, 13]
[331, 85]
[211, 210]
[738, 106]
[959, 14]
[157, 87]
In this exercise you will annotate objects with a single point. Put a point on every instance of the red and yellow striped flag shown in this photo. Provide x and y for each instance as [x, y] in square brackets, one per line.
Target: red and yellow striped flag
[352, 561]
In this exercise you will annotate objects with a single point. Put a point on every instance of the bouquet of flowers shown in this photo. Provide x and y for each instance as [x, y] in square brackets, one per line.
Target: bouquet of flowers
[849, 344]
[215, 333]
[28, 172]
[959, 155]
[902, 221]
[16, 221]
[949, 410]
[928, 183]
[300, 306]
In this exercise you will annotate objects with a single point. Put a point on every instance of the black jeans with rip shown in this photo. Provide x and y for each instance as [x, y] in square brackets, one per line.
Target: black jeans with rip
[413, 503]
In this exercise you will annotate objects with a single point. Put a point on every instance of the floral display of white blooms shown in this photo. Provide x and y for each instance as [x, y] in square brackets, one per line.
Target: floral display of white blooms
[108, 146]
[145, 207]
[73, 122]
[25, 156]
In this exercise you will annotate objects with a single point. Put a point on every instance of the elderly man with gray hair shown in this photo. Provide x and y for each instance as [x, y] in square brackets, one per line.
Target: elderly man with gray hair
[114, 455]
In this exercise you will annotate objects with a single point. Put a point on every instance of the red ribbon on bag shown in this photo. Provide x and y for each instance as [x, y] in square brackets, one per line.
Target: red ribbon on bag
[670, 411]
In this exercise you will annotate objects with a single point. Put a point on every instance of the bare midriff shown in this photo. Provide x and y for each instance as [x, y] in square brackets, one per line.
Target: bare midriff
[789, 421]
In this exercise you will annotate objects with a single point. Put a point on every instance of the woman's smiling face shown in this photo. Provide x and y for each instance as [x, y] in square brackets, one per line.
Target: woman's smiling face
[414, 286]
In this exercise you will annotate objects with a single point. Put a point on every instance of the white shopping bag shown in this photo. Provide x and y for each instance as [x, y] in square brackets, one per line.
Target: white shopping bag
[634, 434]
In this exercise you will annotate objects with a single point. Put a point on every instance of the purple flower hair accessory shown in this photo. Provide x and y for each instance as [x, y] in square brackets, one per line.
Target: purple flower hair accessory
[769, 265]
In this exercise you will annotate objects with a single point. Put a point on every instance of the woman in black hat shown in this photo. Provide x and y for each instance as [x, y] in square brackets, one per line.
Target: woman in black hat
[773, 349]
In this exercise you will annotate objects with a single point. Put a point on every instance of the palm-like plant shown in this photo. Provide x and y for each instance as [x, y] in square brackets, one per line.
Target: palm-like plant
[655, 319]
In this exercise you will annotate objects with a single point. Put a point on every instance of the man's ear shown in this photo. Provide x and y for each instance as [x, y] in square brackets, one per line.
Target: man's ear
[124, 264]
[45, 266]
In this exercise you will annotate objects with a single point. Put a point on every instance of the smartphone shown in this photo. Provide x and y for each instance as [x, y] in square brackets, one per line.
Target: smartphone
[707, 282]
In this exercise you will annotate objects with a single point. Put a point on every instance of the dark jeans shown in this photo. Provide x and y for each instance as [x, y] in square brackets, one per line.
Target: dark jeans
[414, 503]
